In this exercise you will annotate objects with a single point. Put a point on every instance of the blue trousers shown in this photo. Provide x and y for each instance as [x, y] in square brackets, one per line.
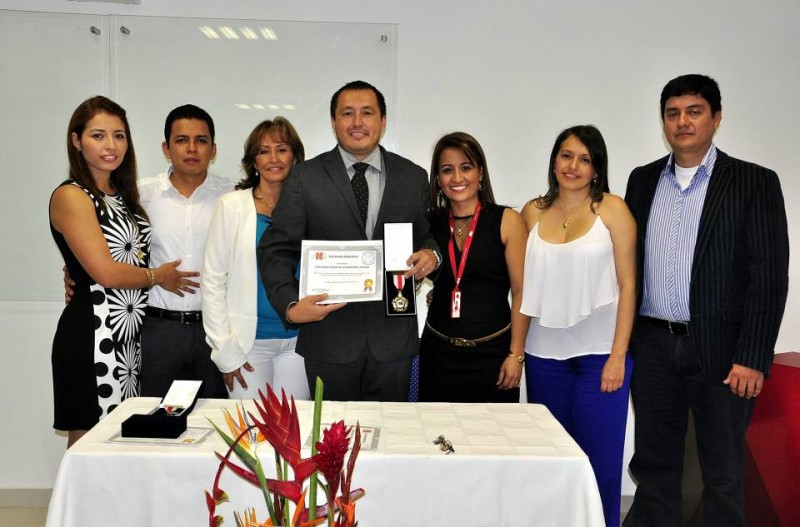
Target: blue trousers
[570, 389]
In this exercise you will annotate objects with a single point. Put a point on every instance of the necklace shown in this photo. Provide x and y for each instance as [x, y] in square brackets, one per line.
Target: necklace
[568, 219]
[464, 220]
[259, 197]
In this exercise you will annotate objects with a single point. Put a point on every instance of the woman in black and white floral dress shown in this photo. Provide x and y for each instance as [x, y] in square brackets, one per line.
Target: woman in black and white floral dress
[103, 234]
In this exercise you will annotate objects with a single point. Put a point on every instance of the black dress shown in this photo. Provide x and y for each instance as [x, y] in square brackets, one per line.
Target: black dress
[452, 373]
[96, 349]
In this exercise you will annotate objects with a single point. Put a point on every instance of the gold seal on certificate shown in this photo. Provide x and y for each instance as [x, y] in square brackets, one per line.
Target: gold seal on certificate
[347, 271]
[399, 303]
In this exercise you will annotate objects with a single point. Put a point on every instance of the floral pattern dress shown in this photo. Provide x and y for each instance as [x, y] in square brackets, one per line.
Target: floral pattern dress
[99, 331]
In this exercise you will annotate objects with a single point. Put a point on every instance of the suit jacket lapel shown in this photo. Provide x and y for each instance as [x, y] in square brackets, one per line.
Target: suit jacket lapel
[717, 188]
[335, 168]
[647, 193]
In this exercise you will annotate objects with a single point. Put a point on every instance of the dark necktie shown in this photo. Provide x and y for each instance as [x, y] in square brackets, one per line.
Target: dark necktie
[360, 189]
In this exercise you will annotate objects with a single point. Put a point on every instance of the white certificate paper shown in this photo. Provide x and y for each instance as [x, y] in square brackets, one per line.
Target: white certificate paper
[348, 271]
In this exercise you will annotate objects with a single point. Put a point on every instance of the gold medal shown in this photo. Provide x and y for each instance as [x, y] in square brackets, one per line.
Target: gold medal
[400, 303]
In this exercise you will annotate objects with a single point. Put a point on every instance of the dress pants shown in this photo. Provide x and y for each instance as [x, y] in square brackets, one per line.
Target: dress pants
[365, 379]
[667, 382]
[173, 350]
[570, 389]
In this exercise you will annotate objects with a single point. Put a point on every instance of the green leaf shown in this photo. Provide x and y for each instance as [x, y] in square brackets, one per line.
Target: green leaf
[312, 490]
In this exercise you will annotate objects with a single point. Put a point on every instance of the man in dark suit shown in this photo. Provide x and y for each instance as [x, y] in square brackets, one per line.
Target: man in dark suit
[358, 352]
[713, 264]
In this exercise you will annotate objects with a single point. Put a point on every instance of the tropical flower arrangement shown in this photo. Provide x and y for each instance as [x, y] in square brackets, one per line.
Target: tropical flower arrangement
[285, 496]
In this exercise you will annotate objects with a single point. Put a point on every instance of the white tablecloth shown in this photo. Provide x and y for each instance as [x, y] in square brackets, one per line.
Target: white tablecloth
[514, 466]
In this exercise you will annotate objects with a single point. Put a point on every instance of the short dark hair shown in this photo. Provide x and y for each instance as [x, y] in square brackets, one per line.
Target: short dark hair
[188, 111]
[472, 149]
[358, 85]
[693, 84]
[593, 140]
[282, 129]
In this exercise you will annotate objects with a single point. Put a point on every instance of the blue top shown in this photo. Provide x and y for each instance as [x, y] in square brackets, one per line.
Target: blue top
[269, 324]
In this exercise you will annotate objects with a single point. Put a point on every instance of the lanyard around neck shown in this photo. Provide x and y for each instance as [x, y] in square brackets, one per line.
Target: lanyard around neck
[467, 244]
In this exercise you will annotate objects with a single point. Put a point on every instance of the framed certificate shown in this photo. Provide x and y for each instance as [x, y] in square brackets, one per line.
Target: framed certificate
[348, 271]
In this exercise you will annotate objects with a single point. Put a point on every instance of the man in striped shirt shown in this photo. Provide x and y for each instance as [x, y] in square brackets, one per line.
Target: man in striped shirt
[713, 255]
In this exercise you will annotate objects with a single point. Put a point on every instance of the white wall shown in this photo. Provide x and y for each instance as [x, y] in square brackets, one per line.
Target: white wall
[513, 73]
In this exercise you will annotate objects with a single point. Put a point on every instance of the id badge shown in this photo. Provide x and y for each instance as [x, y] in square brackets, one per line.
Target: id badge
[455, 304]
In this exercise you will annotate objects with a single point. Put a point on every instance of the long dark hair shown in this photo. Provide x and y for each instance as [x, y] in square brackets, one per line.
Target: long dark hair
[592, 139]
[472, 149]
[280, 128]
[123, 178]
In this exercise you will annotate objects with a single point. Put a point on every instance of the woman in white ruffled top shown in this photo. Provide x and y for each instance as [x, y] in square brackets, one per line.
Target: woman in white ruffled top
[580, 290]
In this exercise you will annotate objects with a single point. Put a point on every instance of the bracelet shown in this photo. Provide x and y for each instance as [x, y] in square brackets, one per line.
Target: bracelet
[437, 256]
[151, 276]
[518, 358]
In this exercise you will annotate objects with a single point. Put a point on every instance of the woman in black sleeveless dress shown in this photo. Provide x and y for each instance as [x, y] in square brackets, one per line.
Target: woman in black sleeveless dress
[104, 237]
[472, 347]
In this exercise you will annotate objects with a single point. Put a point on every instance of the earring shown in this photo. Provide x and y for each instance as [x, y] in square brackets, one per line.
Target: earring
[480, 186]
[257, 174]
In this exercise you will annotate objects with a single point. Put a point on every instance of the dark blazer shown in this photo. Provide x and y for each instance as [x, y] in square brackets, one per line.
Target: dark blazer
[317, 203]
[740, 272]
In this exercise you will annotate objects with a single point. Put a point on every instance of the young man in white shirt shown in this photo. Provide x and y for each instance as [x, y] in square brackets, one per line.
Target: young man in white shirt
[179, 203]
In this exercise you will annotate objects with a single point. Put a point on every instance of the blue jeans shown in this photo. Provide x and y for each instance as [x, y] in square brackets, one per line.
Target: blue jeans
[570, 389]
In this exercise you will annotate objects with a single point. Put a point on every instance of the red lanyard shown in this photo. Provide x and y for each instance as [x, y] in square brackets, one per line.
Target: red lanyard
[455, 305]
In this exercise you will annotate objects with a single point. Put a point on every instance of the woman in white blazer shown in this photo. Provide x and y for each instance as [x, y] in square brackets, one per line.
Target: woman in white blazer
[249, 343]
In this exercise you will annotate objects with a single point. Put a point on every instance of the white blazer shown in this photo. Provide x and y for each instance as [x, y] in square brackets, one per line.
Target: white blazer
[228, 282]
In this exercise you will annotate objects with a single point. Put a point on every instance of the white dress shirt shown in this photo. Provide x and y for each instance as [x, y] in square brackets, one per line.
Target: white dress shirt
[179, 228]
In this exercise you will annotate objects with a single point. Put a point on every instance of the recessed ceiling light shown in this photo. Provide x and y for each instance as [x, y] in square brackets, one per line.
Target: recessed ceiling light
[268, 34]
[229, 33]
[209, 32]
[248, 33]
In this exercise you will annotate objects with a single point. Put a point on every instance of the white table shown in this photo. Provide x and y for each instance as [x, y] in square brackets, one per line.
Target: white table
[514, 466]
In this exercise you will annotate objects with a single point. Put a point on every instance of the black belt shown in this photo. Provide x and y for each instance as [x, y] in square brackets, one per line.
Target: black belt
[676, 328]
[184, 317]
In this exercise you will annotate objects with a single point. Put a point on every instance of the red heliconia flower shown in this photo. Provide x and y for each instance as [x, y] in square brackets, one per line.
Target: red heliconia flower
[282, 430]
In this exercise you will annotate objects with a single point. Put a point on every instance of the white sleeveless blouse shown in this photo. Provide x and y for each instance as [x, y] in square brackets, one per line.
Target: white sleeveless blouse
[571, 293]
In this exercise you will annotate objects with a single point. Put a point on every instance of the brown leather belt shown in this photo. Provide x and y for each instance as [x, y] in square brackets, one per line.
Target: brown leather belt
[467, 343]
[184, 317]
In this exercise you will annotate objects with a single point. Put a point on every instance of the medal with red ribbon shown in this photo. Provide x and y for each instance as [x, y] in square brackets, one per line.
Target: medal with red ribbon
[399, 303]
[455, 301]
